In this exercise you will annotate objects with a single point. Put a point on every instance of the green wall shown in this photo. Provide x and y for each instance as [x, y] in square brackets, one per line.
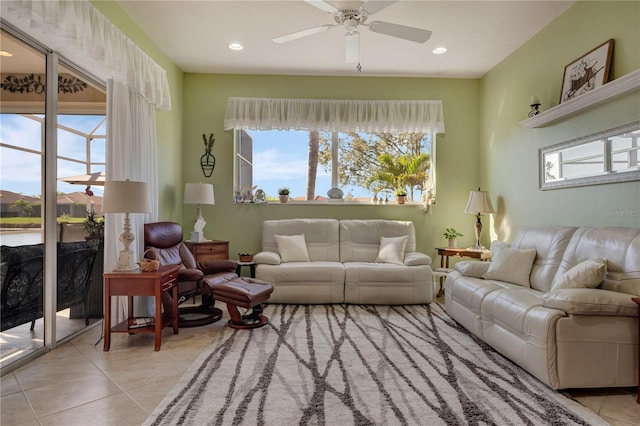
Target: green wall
[484, 144]
[508, 151]
[168, 123]
[457, 168]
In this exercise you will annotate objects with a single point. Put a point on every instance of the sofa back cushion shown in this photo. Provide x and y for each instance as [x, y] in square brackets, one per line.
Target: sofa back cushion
[320, 235]
[550, 243]
[360, 239]
[619, 246]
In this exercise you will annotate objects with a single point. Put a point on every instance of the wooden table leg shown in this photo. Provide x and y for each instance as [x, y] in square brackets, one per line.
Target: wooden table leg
[107, 316]
[158, 319]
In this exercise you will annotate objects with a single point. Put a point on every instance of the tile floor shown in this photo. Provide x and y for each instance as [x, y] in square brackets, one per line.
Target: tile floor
[79, 384]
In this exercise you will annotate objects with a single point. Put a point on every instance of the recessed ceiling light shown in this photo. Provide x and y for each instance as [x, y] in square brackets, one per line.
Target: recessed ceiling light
[439, 50]
[236, 46]
[5, 53]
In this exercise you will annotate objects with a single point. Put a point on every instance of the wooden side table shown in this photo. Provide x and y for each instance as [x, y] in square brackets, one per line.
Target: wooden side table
[141, 284]
[637, 300]
[446, 252]
[252, 268]
[209, 250]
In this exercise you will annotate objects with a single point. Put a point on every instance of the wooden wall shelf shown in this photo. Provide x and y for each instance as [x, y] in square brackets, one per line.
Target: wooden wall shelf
[604, 93]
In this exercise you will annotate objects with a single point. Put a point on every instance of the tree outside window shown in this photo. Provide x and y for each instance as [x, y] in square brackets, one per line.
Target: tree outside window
[366, 164]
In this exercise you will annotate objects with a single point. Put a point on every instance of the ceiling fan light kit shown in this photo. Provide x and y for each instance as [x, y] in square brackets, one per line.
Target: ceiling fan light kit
[351, 19]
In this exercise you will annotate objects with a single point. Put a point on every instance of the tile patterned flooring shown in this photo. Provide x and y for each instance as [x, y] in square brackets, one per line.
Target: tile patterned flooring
[79, 384]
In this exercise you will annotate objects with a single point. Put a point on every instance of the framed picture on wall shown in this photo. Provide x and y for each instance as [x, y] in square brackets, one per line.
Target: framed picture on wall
[587, 72]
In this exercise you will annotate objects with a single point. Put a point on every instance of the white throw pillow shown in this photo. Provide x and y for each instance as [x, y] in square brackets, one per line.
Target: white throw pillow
[511, 265]
[587, 274]
[292, 248]
[392, 249]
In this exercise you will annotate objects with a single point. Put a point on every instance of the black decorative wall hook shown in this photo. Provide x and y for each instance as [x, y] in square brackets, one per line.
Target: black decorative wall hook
[208, 161]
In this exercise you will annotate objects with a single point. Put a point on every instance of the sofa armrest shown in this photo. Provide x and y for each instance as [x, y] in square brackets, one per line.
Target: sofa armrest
[267, 258]
[472, 269]
[588, 301]
[416, 258]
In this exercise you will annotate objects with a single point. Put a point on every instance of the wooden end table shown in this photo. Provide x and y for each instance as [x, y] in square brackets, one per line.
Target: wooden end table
[446, 252]
[141, 284]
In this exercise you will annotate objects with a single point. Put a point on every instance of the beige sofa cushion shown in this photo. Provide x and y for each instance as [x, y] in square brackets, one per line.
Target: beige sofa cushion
[360, 239]
[586, 274]
[292, 248]
[321, 236]
[392, 250]
[619, 245]
[472, 269]
[511, 265]
[583, 301]
[550, 242]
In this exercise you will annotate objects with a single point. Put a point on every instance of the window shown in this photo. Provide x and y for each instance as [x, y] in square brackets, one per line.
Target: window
[365, 166]
[604, 157]
[368, 147]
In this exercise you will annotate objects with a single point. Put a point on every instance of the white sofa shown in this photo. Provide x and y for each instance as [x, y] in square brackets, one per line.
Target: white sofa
[345, 263]
[579, 336]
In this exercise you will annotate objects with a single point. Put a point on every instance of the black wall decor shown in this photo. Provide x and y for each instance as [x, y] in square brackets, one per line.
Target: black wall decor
[31, 83]
[208, 161]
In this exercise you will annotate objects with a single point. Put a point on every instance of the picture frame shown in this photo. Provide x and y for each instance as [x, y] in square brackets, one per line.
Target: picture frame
[588, 72]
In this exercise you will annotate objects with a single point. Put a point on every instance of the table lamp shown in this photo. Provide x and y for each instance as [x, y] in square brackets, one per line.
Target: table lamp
[199, 193]
[126, 197]
[478, 204]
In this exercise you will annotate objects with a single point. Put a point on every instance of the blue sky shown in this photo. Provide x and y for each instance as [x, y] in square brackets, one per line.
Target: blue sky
[21, 171]
[280, 159]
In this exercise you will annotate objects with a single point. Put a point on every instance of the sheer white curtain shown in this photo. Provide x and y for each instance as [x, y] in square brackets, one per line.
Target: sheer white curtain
[136, 87]
[79, 32]
[416, 116]
[131, 154]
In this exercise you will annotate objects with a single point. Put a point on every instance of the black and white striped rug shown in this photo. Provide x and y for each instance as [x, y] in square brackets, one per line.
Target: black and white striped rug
[360, 365]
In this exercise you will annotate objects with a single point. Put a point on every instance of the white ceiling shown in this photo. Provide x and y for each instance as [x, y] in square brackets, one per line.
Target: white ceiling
[477, 34]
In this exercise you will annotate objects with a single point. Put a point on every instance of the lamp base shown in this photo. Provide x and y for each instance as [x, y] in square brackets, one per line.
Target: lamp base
[124, 262]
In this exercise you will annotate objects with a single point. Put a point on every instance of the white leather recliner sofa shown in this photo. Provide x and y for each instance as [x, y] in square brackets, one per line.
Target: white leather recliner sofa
[348, 261]
[553, 323]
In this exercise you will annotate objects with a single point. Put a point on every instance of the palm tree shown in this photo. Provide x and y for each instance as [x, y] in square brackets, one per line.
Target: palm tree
[312, 170]
[408, 171]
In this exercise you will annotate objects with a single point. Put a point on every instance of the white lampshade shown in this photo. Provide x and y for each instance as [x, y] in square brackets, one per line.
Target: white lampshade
[479, 202]
[125, 196]
[199, 193]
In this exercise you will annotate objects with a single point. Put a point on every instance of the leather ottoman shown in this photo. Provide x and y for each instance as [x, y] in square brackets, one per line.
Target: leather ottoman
[246, 293]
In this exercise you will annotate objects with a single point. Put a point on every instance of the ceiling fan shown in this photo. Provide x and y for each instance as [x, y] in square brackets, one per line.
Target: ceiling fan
[352, 18]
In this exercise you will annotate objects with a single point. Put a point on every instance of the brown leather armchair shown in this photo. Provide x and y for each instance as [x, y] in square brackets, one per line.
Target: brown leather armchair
[166, 240]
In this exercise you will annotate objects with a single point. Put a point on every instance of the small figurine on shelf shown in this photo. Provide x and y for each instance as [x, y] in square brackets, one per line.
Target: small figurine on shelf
[535, 106]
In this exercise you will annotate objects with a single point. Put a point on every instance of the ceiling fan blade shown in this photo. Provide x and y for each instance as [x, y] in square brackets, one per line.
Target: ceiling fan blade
[303, 33]
[352, 47]
[400, 31]
[375, 6]
[323, 5]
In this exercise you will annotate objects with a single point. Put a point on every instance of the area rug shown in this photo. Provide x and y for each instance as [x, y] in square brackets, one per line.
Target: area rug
[360, 365]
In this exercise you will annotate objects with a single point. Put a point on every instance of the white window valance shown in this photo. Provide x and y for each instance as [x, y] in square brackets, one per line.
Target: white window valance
[79, 32]
[417, 116]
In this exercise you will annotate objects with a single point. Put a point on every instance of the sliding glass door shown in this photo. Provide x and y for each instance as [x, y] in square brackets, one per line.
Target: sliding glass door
[52, 151]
